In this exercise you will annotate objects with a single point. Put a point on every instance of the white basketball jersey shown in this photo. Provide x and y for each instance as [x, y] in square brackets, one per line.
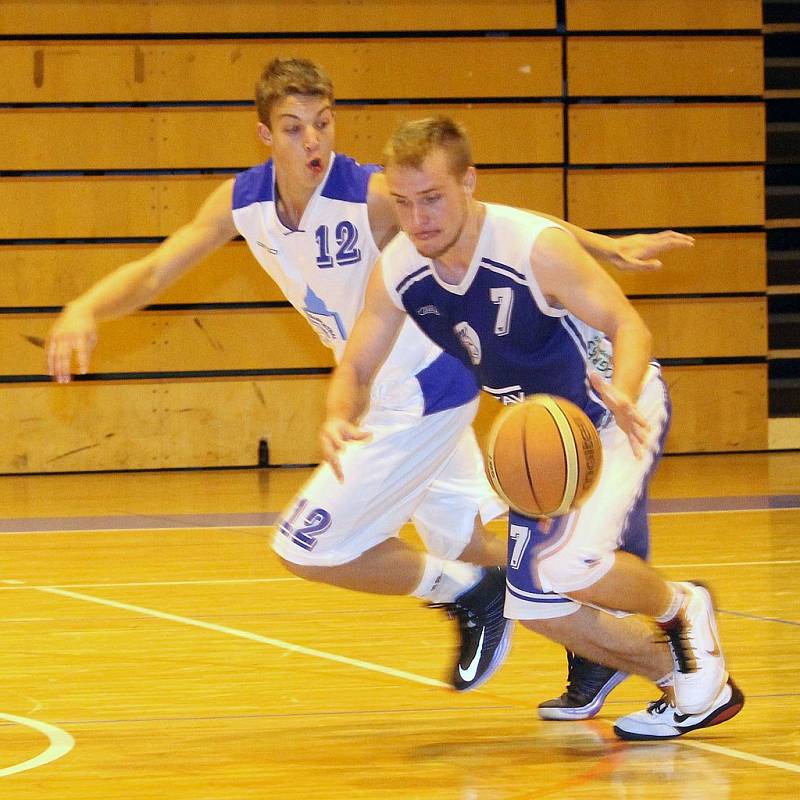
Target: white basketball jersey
[323, 268]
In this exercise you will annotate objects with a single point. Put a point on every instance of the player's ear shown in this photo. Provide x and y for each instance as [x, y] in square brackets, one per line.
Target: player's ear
[470, 178]
[264, 133]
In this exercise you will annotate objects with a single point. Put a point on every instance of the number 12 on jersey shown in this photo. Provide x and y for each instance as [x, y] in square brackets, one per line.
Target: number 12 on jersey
[347, 251]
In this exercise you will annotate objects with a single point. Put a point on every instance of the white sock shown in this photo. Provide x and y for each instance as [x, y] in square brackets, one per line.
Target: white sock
[443, 581]
[665, 682]
[675, 604]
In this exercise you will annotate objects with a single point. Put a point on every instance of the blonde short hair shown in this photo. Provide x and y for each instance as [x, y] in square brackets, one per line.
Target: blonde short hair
[412, 142]
[286, 76]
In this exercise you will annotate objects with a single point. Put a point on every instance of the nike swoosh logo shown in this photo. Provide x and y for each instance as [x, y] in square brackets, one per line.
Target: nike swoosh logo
[469, 673]
[716, 652]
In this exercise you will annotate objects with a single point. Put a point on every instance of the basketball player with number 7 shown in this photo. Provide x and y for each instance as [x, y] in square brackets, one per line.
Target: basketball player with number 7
[315, 221]
[515, 298]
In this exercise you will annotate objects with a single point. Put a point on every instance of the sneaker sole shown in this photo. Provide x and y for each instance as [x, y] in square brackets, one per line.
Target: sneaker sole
[500, 654]
[583, 712]
[722, 714]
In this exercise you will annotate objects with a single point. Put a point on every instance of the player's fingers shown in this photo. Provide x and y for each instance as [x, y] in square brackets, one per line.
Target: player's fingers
[636, 446]
[84, 350]
[675, 239]
[637, 418]
[63, 362]
[603, 388]
[330, 446]
[51, 358]
[598, 384]
[357, 434]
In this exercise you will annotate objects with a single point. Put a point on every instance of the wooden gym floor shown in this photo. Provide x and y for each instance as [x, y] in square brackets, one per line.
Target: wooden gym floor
[154, 648]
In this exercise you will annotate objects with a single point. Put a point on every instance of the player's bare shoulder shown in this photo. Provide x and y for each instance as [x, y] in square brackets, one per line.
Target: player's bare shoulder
[216, 211]
[382, 218]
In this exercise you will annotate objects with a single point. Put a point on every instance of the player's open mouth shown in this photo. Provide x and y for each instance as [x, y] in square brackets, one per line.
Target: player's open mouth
[315, 165]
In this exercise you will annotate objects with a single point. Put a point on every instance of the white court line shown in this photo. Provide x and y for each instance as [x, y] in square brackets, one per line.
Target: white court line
[729, 564]
[17, 585]
[367, 665]
[253, 637]
[139, 529]
[263, 526]
[60, 744]
[726, 751]
[718, 511]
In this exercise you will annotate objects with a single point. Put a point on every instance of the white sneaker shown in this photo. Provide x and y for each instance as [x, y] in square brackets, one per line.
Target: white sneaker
[661, 720]
[699, 666]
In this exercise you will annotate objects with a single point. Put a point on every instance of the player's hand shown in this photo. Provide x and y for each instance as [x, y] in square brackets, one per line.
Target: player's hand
[627, 416]
[333, 436]
[74, 333]
[639, 252]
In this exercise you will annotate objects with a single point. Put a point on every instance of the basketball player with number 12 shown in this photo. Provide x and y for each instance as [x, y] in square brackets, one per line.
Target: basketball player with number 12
[514, 297]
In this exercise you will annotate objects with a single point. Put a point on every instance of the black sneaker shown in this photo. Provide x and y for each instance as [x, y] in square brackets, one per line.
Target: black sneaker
[661, 720]
[485, 632]
[588, 685]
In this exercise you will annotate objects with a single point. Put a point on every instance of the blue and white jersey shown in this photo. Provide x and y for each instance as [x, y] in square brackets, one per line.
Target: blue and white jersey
[323, 268]
[497, 320]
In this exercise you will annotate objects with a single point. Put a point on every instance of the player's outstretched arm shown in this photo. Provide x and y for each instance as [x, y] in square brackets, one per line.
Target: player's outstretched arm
[637, 252]
[370, 341]
[135, 284]
[571, 278]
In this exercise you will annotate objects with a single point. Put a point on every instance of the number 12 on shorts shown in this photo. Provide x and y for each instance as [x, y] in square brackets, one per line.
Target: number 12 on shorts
[312, 524]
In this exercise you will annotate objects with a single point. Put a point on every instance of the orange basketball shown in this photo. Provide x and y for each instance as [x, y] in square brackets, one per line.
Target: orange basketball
[544, 456]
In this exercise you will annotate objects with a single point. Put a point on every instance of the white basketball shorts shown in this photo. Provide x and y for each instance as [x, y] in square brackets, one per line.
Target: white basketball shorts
[550, 558]
[428, 469]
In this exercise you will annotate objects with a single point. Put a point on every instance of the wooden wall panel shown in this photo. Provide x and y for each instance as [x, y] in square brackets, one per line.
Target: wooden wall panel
[308, 16]
[192, 138]
[119, 206]
[721, 407]
[706, 327]
[619, 15]
[715, 408]
[159, 424]
[719, 262]
[539, 189]
[77, 207]
[675, 133]
[279, 338]
[52, 274]
[220, 70]
[670, 197]
[176, 341]
[518, 133]
[665, 65]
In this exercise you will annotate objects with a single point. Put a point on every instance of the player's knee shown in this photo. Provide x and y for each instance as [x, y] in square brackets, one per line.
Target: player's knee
[570, 569]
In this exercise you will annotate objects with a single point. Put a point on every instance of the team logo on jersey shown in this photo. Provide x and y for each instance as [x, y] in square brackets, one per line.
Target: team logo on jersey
[598, 349]
[326, 323]
[425, 310]
[470, 340]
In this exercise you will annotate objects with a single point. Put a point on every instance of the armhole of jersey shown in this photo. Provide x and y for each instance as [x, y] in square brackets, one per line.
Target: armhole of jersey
[533, 284]
[394, 296]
